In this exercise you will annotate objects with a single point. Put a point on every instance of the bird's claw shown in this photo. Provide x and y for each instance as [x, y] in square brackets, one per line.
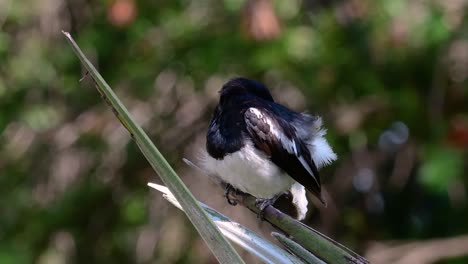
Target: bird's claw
[231, 199]
[262, 204]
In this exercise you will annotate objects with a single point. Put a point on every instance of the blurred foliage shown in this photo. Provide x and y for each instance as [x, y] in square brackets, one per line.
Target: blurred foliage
[389, 77]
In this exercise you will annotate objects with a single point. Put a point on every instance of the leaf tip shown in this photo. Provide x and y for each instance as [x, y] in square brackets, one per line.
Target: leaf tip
[67, 34]
[158, 187]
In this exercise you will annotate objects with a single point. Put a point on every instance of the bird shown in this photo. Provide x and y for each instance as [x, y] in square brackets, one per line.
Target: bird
[260, 147]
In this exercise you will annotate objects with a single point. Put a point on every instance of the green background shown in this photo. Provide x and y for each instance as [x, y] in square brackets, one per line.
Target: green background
[389, 78]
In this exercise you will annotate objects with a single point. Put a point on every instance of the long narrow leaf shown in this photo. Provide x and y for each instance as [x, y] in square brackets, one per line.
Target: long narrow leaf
[242, 236]
[297, 249]
[313, 241]
[217, 243]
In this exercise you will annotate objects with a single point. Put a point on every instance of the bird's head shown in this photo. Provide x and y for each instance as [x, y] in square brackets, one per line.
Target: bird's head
[243, 89]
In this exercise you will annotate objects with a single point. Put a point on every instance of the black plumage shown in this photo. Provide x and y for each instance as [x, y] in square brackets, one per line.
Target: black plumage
[247, 113]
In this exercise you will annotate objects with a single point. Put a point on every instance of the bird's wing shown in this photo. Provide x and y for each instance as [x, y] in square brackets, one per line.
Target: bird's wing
[277, 139]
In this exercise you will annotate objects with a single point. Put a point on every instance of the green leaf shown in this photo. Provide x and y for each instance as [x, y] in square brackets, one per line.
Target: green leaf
[217, 243]
[441, 166]
[242, 236]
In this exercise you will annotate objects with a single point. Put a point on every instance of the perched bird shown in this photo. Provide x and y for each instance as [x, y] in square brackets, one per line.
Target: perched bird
[260, 147]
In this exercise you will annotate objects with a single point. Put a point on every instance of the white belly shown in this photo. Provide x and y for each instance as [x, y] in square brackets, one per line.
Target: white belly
[250, 171]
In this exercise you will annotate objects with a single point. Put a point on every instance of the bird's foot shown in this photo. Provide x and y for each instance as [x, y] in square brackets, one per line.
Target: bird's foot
[230, 194]
[262, 204]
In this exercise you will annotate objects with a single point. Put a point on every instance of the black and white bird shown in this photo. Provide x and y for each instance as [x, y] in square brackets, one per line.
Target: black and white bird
[260, 147]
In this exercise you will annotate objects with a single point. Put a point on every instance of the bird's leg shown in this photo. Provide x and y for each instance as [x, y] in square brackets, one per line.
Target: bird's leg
[231, 199]
[262, 204]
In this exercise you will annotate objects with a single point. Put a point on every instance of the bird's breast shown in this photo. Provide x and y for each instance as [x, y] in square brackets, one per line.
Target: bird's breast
[250, 171]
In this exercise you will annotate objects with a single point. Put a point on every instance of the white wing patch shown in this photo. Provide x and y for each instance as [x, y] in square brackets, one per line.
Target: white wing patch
[289, 145]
